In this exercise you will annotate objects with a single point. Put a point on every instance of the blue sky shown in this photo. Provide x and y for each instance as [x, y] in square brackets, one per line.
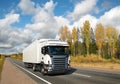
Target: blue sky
[61, 9]
[28, 20]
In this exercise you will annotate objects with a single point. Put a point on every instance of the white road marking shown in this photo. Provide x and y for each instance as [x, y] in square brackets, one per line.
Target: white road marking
[81, 75]
[33, 74]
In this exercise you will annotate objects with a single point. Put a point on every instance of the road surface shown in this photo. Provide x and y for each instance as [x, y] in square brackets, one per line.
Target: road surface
[75, 76]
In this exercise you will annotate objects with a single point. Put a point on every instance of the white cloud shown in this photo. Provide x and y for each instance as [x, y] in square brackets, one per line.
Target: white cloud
[36, 26]
[93, 21]
[6, 32]
[11, 37]
[111, 18]
[82, 8]
[27, 6]
[45, 13]
[42, 16]
[9, 19]
[45, 23]
[5, 45]
[49, 6]
[61, 21]
[41, 30]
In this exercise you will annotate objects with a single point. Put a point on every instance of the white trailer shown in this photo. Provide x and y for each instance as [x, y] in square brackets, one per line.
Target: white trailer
[47, 56]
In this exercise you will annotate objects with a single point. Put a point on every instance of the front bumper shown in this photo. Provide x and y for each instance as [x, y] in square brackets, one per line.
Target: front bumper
[52, 70]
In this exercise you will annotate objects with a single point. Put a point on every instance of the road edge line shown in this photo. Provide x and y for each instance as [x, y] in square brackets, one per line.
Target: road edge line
[33, 74]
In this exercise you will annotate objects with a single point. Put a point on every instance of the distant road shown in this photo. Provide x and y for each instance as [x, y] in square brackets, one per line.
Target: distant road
[75, 76]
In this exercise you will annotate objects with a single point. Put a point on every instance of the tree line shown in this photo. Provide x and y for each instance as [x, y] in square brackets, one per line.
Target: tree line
[104, 41]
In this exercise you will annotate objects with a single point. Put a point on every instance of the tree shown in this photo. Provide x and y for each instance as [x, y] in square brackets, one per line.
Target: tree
[93, 47]
[75, 39]
[111, 36]
[86, 34]
[74, 34]
[78, 42]
[92, 38]
[64, 33]
[100, 37]
[118, 47]
[69, 40]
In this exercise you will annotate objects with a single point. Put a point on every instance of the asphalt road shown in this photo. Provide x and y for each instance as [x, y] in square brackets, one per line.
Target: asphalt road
[75, 76]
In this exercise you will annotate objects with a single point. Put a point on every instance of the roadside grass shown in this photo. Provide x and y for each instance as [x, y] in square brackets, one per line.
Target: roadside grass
[16, 56]
[95, 61]
[2, 58]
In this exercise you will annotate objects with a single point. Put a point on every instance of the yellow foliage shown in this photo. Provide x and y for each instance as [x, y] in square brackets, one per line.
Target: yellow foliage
[100, 36]
[111, 36]
[65, 34]
[74, 34]
[86, 34]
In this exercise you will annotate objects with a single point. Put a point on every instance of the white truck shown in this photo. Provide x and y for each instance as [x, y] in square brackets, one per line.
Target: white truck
[48, 56]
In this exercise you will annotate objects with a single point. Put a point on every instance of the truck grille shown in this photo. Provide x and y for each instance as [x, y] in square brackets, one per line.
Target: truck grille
[59, 63]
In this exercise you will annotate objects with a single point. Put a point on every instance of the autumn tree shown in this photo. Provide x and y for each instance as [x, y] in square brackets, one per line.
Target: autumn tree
[86, 34]
[69, 40]
[100, 37]
[75, 39]
[65, 35]
[93, 47]
[74, 34]
[79, 49]
[111, 36]
[118, 47]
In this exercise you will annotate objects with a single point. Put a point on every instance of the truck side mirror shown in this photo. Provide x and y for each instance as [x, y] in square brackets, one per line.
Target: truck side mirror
[43, 50]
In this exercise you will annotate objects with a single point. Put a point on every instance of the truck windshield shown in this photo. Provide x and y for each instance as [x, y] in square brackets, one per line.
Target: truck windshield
[58, 50]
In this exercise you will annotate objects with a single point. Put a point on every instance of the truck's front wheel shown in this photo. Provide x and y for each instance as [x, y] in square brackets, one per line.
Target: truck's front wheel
[43, 71]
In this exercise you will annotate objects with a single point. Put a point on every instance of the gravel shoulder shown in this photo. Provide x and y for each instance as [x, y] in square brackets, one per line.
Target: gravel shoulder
[12, 75]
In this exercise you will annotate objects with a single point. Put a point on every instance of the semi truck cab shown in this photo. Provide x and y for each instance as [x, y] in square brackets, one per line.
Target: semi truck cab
[56, 58]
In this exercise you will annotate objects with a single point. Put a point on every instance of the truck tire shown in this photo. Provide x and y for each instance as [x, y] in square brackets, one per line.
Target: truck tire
[43, 71]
